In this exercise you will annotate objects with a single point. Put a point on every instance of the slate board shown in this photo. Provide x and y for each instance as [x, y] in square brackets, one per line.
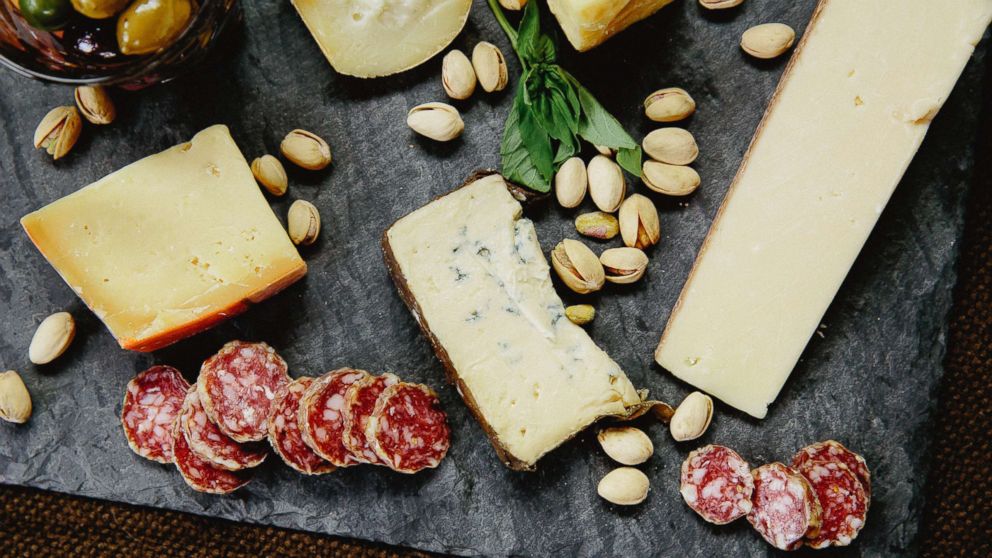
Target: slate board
[868, 381]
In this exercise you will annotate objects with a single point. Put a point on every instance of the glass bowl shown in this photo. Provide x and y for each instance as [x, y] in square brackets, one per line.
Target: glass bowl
[43, 55]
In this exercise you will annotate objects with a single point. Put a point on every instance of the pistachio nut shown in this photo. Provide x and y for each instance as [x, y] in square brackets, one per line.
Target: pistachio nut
[692, 417]
[58, 131]
[623, 265]
[669, 105]
[571, 183]
[674, 146]
[672, 180]
[306, 150]
[639, 223]
[438, 121]
[269, 172]
[624, 486]
[457, 75]
[15, 401]
[607, 186]
[580, 314]
[577, 266]
[597, 225]
[303, 223]
[95, 104]
[606, 151]
[768, 40]
[53, 336]
[720, 4]
[513, 5]
[625, 444]
[490, 66]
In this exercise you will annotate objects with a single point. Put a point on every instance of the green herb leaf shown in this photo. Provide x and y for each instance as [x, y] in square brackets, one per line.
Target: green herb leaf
[526, 149]
[553, 102]
[533, 46]
[630, 159]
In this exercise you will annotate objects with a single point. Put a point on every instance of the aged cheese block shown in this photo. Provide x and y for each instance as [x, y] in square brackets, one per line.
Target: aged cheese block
[170, 245]
[474, 276]
[588, 23]
[847, 118]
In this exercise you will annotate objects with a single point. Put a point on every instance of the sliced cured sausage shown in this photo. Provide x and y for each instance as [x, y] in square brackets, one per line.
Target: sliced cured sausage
[359, 402]
[321, 417]
[844, 502]
[832, 450]
[199, 474]
[237, 386]
[407, 429]
[151, 404]
[284, 431]
[785, 510]
[717, 484]
[210, 444]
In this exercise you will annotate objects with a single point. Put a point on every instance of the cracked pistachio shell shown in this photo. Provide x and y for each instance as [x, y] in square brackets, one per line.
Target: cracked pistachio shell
[603, 150]
[624, 265]
[490, 67]
[674, 146]
[625, 444]
[768, 40]
[577, 266]
[15, 401]
[580, 314]
[306, 149]
[692, 417]
[95, 105]
[437, 121]
[672, 180]
[571, 183]
[640, 226]
[303, 223]
[720, 4]
[269, 172]
[597, 225]
[625, 486]
[53, 336]
[669, 105]
[58, 131]
[607, 186]
[457, 75]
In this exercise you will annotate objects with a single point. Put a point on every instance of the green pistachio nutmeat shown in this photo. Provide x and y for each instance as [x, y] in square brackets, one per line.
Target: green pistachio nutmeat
[150, 25]
[99, 9]
[47, 15]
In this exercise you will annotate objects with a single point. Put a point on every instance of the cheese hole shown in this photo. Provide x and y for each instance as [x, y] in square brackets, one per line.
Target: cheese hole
[185, 147]
[523, 431]
[537, 391]
[356, 16]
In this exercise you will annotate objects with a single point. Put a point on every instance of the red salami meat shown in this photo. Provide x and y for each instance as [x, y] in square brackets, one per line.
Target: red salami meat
[784, 508]
[284, 431]
[237, 386]
[321, 417]
[359, 402]
[201, 475]
[844, 502]
[832, 450]
[151, 405]
[717, 484]
[407, 429]
[210, 444]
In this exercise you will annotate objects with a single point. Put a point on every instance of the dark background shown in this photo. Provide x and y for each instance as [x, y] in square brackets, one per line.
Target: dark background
[870, 381]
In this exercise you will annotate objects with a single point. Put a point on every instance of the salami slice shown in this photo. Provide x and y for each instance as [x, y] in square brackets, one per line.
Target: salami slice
[200, 475]
[151, 404]
[321, 417]
[237, 386]
[844, 502]
[717, 484]
[784, 507]
[359, 402]
[284, 431]
[208, 443]
[407, 429]
[832, 450]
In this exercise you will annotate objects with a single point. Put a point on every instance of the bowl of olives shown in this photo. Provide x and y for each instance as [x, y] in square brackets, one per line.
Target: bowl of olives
[129, 43]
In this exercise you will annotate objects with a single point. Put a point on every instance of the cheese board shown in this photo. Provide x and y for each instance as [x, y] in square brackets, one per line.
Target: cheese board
[868, 377]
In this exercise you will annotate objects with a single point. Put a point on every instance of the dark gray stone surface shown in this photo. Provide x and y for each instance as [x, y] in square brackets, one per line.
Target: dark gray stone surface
[868, 381]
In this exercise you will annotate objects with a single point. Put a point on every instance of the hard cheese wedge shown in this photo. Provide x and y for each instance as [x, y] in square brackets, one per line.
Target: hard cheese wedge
[587, 23]
[847, 118]
[169, 245]
[473, 273]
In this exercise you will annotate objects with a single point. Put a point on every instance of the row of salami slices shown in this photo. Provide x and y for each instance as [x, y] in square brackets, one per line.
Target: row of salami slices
[215, 431]
[820, 500]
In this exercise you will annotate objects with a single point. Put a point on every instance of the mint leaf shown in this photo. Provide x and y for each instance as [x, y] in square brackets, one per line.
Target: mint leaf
[553, 102]
[526, 149]
[630, 159]
[533, 46]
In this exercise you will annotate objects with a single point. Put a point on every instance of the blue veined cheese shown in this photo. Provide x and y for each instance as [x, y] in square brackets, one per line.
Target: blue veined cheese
[587, 23]
[473, 273]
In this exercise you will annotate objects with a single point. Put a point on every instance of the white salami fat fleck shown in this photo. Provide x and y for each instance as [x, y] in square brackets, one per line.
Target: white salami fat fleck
[151, 404]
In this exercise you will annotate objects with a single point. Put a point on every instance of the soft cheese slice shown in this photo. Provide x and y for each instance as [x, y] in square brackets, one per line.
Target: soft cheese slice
[169, 245]
[373, 38]
[587, 23]
[848, 116]
[473, 273]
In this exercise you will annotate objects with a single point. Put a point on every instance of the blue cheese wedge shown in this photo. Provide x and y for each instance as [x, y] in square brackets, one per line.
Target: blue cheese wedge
[472, 271]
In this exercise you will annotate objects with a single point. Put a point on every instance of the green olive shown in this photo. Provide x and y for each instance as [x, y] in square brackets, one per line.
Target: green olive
[149, 25]
[47, 15]
[99, 9]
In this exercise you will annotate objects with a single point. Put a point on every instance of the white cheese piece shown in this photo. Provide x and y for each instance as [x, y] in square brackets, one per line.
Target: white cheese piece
[483, 289]
[848, 116]
[373, 38]
[169, 245]
[587, 23]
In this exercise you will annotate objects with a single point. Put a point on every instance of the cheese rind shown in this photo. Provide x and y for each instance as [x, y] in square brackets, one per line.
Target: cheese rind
[587, 23]
[473, 273]
[169, 245]
[848, 116]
